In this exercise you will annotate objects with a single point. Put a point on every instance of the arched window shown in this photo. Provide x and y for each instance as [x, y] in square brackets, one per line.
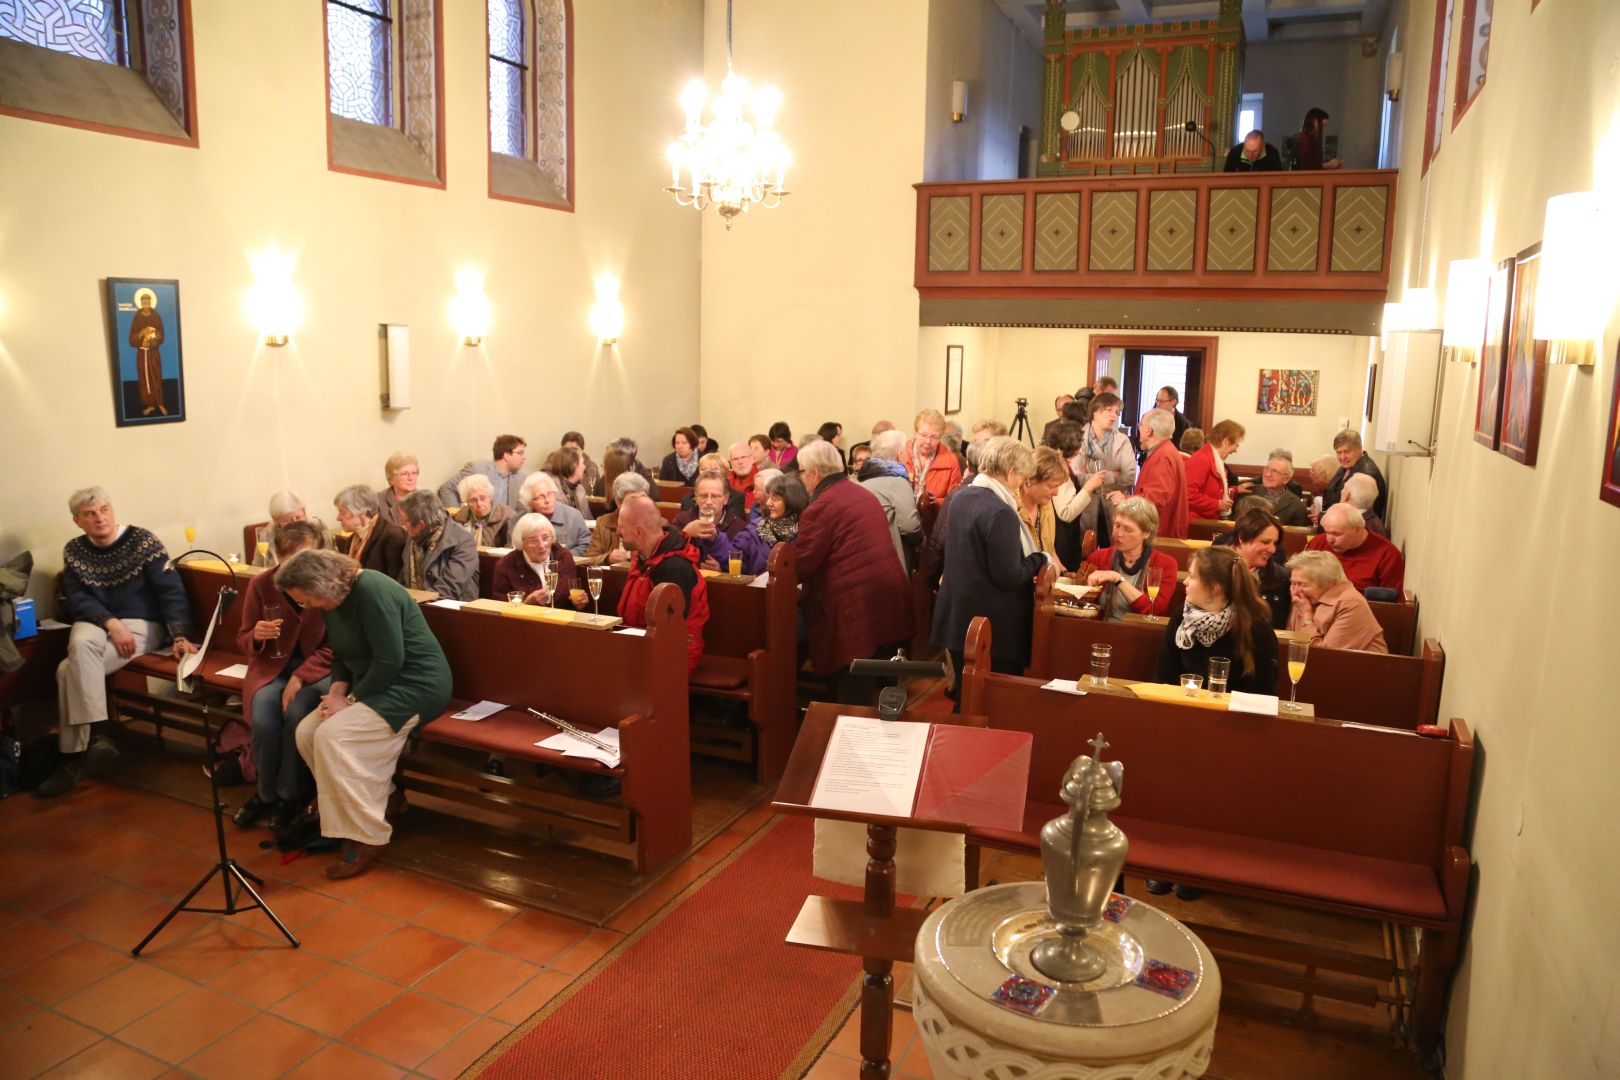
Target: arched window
[385, 89]
[530, 106]
[42, 42]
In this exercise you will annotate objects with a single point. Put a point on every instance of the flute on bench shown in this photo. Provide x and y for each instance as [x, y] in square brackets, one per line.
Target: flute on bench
[583, 736]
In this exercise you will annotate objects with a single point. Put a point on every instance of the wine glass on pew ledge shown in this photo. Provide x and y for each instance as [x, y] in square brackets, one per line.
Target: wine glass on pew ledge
[1298, 653]
[594, 576]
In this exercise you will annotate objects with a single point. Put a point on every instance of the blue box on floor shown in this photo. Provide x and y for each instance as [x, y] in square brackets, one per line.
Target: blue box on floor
[27, 624]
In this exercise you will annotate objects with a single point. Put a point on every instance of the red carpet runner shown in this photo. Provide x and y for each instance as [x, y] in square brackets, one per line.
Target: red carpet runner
[710, 991]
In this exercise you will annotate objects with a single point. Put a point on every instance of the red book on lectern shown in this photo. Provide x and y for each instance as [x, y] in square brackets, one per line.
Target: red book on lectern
[974, 776]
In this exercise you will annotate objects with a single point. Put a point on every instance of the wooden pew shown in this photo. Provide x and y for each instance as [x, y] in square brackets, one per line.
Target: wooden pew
[1399, 622]
[750, 654]
[1316, 814]
[594, 678]
[670, 491]
[1294, 537]
[1367, 688]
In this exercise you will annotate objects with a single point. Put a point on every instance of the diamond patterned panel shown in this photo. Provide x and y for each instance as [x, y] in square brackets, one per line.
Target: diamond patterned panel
[948, 232]
[1170, 229]
[1296, 219]
[1001, 232]
[1057, 231]
[1233, 213]
[1358, 228]
[1113, 230]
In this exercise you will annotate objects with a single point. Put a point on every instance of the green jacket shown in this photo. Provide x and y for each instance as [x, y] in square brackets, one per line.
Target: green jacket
[382, 647]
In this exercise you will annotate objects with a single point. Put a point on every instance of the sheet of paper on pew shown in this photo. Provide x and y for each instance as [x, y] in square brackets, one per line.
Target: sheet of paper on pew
[926, 772]
[761, 580]
[235, 671]
[478, 711]
[570, 746]
[453, 605]
[1065, 686]
[1264, 704]
[192, 662]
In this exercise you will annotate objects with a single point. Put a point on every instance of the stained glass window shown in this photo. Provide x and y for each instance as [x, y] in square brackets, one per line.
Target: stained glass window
[552, 113]
[92, 29]
[508, 76]
[360, 48]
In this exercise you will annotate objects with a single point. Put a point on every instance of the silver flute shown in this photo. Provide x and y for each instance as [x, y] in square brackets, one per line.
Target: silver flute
[583, 736]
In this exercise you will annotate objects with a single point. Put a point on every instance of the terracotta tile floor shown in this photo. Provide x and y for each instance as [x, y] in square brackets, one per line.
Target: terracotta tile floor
[398, 974]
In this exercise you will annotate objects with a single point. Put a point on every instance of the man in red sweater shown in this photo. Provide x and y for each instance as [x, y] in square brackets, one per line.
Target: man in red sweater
[1369, 560]
[1162, 479]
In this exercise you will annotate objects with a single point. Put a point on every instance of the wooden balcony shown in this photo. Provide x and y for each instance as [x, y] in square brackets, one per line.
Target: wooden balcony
[1284, 251]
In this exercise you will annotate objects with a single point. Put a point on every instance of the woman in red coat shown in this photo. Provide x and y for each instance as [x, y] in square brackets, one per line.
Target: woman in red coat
[279, 691]
[857, 601]
[1207, 493]
[1125, 568]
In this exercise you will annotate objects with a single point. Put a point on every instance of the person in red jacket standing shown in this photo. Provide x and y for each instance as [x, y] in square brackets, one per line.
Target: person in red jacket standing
[935, 472]
[1207, 494]
[1162, 479]
[857, 601]
[661, 554]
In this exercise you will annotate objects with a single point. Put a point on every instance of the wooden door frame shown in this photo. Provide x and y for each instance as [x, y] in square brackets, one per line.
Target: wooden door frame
[1172, 343]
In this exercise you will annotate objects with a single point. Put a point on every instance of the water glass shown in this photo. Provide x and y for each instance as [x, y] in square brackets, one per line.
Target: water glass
[1100, 657]
[1220, 668]
[515, 599]
[735, 564]
[1192, 684]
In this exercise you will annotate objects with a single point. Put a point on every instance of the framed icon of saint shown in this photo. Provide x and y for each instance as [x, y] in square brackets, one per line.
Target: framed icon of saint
[143, 319]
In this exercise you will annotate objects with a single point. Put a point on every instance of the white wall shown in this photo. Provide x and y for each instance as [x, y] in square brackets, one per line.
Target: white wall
[809, 313]
[77, 206]
[1041, 363]
[974, 41]
[1330, 75]
[1514, 566]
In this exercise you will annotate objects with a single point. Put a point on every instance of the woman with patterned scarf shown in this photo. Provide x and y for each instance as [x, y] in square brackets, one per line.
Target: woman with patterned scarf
[1123, 568]
[440, 556]
[785, 500]
[1223, 616]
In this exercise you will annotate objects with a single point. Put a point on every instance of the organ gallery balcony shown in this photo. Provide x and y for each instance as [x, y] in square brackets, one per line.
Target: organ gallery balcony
[1271, 251]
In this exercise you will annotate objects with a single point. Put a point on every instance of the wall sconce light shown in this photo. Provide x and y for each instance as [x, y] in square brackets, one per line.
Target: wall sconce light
[469, 309]
[607, 314]
[1467, 283]
[1393, 72]
[1414, 311]
[273, 304]
[958, 101]
[1570, 300]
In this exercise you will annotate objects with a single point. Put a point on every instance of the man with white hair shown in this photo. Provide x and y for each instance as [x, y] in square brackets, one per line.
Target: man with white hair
[884, 476]
[123, 599]
[1277, 488]
[1361, 492]
[741, 474]
[1369, 560]
[539, 495]
[1162, 479]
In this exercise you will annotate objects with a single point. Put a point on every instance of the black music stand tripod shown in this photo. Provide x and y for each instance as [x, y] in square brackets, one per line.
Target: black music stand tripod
[234, 880]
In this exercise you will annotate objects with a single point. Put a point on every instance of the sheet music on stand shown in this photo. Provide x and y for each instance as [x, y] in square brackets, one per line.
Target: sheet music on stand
[192, 661]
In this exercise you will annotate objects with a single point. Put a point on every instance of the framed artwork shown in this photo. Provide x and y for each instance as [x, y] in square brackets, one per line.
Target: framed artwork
[143, 320]
[1524, 382]
[1288, 391]
[1372, 389]
[1609, 491]
[1493, 357]
[953, 379]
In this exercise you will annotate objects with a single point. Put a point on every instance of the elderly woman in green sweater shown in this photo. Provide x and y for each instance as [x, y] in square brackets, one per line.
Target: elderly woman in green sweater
[388, 676]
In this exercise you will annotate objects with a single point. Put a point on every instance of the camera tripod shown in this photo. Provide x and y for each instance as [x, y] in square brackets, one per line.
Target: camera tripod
[1021, 427]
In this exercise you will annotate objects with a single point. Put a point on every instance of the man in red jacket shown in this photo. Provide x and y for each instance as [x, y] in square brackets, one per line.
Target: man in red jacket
[1162, 480]
[857, 601]
[661, 554]
[1369, 560]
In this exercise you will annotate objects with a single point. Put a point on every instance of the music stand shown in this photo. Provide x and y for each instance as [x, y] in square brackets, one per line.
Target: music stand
[234, 879]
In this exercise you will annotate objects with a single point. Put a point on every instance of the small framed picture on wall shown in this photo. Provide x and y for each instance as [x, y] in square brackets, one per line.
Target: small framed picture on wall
[953, 379]
[143, 319]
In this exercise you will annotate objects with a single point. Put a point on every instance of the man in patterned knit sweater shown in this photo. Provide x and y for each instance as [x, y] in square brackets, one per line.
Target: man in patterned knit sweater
[123, 601]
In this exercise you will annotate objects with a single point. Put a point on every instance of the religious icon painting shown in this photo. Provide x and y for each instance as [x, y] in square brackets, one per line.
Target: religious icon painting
[143, 317]
[1524, 380]
[1609, 492]
[1493, 357]
[1288, 391]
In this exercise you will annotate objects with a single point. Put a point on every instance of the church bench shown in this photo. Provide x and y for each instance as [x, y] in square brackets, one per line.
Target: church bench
[593, 678]
[1399, 622]
[1317, 814]
[670, 491]
[750, 655]
[1369, 688]
[1294, 537]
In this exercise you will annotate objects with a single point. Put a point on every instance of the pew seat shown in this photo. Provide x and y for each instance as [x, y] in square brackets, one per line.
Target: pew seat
[718, 674]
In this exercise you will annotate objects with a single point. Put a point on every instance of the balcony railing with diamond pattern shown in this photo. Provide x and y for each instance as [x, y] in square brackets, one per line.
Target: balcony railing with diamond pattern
[1321, 236]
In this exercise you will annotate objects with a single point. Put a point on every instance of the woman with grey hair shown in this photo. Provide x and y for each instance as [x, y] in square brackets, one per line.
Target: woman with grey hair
[489, 521]
[388, 675]
[520, 570]
[990, 561]
[285, 508]
[1328, 607]
[605, 546]
[369, 537]
[440, 556]
[402, 471]
[778, 523]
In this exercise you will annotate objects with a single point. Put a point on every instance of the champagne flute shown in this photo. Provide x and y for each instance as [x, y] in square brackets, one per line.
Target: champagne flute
[1298, 653]
[549, 580]
[191, 535]
[1155, 578]
[593, 580]
[261, 540]
[272, 613]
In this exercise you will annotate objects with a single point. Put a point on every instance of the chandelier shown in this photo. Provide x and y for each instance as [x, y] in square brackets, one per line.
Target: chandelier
[735, 160]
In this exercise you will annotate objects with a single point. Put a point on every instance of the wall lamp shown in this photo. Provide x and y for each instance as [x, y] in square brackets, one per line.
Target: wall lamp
[1570, 300]
[607, 314]
[469, 309]
[959, 94]
[273, 303]
[1468, 282]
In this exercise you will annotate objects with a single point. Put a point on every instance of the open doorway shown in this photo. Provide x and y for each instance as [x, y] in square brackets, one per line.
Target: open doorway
[1144, 364]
